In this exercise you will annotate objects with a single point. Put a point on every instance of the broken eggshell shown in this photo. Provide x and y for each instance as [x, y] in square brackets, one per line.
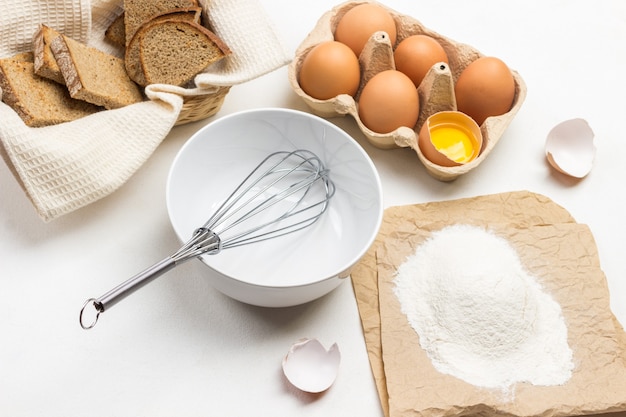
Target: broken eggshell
[570, 147]
[310, 367]
[462, 139]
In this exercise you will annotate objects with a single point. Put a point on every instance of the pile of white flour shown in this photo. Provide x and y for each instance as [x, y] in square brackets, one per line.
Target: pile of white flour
[479, 315]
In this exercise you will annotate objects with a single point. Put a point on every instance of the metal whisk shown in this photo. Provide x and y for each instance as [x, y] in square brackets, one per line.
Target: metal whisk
[285, 193]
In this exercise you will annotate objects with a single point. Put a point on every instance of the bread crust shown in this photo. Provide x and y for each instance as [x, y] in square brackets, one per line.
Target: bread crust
[44, 61]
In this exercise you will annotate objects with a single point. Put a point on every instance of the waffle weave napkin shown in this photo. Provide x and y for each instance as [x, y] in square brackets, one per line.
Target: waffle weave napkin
[67, 166]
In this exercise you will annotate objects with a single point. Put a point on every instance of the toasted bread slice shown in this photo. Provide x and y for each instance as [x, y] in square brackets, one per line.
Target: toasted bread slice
[38, 101]
[138, 12]
[116, 31]
[131, 57]
[45, 64]
[174, 51]
[23, 56]
[93, 75]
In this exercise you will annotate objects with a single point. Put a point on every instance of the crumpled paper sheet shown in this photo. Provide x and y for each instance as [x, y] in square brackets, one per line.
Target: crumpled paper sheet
[407, 382]
[67, 166]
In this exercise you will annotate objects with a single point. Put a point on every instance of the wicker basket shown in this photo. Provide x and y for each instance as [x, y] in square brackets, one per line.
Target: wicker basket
[201, 106]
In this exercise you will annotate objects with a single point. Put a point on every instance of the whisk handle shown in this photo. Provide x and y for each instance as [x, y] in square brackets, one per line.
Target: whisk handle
[135, 283]
[126, 288]
[203, 241]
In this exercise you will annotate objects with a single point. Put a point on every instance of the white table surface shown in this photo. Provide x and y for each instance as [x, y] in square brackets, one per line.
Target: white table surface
[178, 347]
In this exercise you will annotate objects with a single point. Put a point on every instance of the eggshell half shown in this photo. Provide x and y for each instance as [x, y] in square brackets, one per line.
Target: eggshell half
[570, 148]
[310, 367]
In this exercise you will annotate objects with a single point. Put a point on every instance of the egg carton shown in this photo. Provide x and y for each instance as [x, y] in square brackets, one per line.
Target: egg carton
[436, 92]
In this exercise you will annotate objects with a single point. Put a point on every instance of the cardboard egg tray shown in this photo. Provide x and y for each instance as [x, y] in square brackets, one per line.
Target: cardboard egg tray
[436, 92]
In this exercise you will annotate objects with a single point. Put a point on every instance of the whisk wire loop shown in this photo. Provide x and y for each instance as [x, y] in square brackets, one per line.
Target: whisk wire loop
[321, 206]
[264, 189]
[285, 193]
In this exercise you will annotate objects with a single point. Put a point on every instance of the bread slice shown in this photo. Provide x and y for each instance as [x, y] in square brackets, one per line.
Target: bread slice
[138, 12]
[174, 51]
[116, 33]
[37, 100]
[93, 75]
[131, 57]
[45, 64]
[23, 56]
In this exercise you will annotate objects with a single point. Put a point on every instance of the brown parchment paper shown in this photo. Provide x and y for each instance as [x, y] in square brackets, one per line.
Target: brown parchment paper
[555, 249]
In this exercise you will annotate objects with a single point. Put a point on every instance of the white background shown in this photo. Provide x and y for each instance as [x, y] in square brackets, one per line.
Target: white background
[180, 348]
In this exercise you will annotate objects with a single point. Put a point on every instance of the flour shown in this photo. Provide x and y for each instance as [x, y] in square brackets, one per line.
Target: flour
[479, 315]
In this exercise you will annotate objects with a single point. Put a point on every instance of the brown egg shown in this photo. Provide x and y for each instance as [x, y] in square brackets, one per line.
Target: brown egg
[361, 22]
[388, 100]
[485, 88]
[416, 54]
[329, 69]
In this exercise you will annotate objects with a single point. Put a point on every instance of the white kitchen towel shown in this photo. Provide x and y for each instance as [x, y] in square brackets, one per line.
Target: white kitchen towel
[67, 166]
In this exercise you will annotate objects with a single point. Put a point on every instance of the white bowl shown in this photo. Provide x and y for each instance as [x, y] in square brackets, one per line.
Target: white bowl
[288, 270]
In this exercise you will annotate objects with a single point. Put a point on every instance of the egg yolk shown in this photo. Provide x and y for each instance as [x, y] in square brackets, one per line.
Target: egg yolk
[456, 144]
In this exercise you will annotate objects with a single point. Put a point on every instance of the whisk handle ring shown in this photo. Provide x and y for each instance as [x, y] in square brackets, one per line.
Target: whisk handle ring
[123, 290]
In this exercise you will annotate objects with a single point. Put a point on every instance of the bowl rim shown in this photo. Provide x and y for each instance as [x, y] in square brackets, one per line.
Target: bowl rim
[346, 266]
